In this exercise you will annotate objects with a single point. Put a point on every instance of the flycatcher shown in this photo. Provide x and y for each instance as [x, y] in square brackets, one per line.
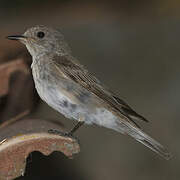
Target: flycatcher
[65, 85]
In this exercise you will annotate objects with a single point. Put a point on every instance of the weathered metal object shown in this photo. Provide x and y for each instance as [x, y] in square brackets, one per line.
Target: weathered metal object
[19, 139]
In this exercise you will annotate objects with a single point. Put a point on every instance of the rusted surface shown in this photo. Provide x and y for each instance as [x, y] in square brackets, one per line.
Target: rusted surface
[25, 136]
[17, 92]
[14, 119]
[6, 71]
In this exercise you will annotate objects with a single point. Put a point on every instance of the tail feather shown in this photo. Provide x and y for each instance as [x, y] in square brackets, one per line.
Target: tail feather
[143, 138]
[154, 146]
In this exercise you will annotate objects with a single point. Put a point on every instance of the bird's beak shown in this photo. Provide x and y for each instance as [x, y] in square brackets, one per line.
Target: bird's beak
[17, 37]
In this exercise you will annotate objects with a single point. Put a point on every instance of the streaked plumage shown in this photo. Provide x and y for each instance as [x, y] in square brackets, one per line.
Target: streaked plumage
[69, 88]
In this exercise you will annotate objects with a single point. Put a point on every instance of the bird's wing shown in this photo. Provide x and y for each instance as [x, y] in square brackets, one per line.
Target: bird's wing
[77, 73]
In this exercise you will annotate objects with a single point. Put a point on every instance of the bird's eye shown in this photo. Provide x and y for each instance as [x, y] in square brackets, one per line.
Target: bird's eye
[40, 34]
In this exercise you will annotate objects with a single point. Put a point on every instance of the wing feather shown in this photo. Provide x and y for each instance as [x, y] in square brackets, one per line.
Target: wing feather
[77, 73]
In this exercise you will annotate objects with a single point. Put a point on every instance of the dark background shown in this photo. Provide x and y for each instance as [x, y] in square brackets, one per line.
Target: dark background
[131, 46]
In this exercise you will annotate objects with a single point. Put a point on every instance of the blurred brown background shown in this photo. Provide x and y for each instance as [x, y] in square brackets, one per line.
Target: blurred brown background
[133, 47]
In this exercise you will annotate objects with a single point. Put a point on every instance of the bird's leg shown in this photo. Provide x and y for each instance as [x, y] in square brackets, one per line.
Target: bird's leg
[75, 128]
[71, 132]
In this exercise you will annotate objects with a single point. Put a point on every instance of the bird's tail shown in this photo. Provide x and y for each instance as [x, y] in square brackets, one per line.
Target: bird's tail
[141, 137]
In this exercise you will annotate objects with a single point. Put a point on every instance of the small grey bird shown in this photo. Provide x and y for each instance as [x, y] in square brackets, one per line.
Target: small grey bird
[65, 85]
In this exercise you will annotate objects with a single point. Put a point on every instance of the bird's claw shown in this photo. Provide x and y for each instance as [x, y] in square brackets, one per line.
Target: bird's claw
[57, 132]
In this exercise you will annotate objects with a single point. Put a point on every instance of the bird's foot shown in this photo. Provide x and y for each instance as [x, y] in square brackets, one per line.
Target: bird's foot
[57, 132]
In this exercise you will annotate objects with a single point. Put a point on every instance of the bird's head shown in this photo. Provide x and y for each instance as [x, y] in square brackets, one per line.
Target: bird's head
[41, 40]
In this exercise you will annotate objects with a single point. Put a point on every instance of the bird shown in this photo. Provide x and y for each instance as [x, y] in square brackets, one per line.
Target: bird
[69, 88]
